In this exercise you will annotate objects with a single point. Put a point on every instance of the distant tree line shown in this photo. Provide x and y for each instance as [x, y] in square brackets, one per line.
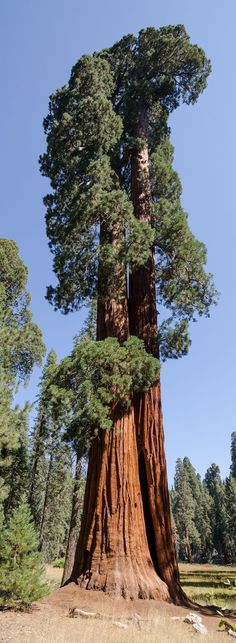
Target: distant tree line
[204, 512]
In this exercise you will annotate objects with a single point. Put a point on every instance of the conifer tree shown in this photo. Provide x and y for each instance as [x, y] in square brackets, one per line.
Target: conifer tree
[75, 517]
[51, 475]
[218, 513]
[184, 510]
[21, 348]
[233, 455]
[19, 472]
[230, 535]
[89, 331]
[115, 207]
[40, 437]
[202, 511]
[191, 506]
[57, 503]
[21, 570]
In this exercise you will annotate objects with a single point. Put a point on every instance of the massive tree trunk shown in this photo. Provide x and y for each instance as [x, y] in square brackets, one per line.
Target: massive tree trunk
[113, 553]
[147, 405]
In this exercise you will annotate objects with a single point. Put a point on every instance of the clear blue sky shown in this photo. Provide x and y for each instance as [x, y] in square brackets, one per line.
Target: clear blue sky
[39, 42]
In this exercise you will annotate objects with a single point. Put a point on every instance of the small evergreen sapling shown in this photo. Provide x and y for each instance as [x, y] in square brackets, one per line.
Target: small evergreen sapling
[21, 569]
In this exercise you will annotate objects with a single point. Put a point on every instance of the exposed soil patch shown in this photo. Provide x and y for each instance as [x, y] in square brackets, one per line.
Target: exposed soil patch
[49, 621]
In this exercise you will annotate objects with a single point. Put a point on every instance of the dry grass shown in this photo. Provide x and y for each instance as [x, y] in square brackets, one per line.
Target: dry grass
[32, 628]
[54, 575]
[49, 622]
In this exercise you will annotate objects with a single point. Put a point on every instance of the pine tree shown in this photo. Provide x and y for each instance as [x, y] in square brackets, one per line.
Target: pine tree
[191, 506]
[230, 502]
[57, 507]
[75, 518]
[184, 510]
[21, 570]
[233, 455]
[230, 534]
[51, 475]
[202, 511]
[89, 331]
[19, 472]
[40, 437]
[218, 515]
[107, 139]
[21, 348]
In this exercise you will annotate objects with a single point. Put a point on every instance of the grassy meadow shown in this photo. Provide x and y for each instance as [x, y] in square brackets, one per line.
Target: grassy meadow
[209, 584]
[204, 583]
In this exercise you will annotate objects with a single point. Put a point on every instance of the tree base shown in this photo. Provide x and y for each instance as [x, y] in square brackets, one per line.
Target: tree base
[126, 581]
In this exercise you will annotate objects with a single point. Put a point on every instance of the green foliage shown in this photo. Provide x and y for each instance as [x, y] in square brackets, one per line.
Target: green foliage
[191, 512]
[227, 626]
[102, 376]
[174, 341]
[89, 327]
[21, 344]
[17, 474]
[183, 506]
[82, 130]
[57, 497]
[230, 502]
[50, 490]
[58, 562]
[81, 127]
[21, 348]
[157, 66]
[94, 126]
[183, 286]
[218, 514]
[208, 586]
[21, 570]
[233, 455]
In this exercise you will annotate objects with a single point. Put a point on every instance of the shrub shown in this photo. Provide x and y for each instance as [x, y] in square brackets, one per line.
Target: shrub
[58, 562]
[21, 568]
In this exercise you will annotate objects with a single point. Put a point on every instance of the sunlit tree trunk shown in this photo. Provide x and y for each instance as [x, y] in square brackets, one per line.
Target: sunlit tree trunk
[147, 405]
[113, 554]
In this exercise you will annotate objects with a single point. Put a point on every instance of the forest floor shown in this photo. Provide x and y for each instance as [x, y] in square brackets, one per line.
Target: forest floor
[49, 620]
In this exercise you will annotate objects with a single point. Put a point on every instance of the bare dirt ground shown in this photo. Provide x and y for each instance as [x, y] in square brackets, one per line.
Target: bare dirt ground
[49, 621]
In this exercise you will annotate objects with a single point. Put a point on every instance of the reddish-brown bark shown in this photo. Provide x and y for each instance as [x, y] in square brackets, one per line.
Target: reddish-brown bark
[147, 405]
[113, 554]
[125, 545]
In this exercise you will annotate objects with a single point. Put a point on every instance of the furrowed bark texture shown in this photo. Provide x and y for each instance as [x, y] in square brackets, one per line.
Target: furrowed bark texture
[113, 553]
[126, 546]
[147, 405]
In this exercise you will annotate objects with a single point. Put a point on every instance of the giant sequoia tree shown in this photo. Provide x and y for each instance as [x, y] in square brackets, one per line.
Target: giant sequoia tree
[118, 233]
